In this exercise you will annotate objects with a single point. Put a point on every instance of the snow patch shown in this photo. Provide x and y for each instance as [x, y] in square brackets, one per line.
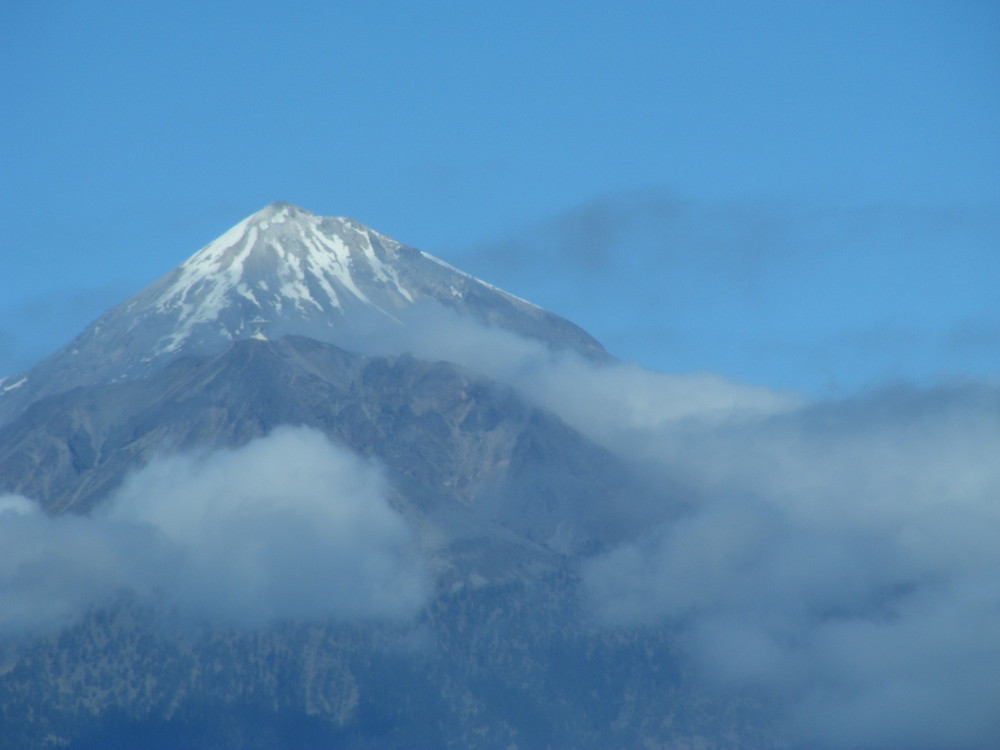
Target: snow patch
[12, 386]
[244, 291]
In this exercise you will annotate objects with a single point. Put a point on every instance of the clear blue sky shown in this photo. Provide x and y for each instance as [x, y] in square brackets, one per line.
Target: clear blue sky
[799, 194]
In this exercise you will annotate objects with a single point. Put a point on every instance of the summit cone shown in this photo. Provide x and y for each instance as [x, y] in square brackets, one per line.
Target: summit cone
[300, 272]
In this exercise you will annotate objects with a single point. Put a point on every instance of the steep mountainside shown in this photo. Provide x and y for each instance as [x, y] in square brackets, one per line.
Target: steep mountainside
[283, 270]
[459, 449]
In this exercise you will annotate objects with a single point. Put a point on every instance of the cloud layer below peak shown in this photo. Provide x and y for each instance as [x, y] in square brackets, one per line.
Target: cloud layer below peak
[839, 559]
[288, 526]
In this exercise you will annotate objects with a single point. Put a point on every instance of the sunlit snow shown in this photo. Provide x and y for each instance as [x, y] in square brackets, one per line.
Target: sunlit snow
[317, 261]
[290, 266]
[12, 386]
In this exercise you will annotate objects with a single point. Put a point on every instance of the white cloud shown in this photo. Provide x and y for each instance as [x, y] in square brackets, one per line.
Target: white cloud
[289, 526]
[609, 402]
[840, 559]
[51, 569]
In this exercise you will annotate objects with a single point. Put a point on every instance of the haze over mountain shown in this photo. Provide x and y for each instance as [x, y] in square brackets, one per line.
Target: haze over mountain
[316, 488]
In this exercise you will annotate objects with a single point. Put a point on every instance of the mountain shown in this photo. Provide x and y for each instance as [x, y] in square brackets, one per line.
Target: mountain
[292, 272]
[455, 444]
[164, 517]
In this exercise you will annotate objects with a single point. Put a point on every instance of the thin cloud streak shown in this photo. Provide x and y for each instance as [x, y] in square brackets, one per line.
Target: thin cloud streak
[780, 294]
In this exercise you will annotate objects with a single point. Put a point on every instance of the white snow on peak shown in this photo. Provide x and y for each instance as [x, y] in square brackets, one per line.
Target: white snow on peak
[12, 386]
[293, 267]
[282, 258]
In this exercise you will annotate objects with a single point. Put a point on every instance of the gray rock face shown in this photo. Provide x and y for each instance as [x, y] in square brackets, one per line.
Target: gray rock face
[459, 449]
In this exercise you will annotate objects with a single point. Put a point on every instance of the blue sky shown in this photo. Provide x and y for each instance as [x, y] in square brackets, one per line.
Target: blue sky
[801, 195]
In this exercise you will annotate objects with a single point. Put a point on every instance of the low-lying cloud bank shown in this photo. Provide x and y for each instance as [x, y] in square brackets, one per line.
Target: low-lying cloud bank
[837, 560]
[289, 526]
[840, 559]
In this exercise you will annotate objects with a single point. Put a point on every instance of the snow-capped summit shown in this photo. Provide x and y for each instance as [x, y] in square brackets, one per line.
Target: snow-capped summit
[282, 262]
[280, 270]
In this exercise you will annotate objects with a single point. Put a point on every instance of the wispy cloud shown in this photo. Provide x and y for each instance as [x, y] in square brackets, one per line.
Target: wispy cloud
[289, 526]
[839, 559]
[776, 293]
